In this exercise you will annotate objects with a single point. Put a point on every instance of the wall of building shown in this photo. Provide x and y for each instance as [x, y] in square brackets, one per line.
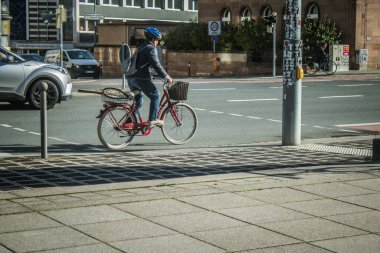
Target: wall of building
[358, 20]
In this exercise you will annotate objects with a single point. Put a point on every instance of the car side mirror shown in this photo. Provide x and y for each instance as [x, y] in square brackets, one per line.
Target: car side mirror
[11, 58]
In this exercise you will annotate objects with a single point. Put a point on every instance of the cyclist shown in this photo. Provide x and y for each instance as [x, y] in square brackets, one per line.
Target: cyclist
[321, 54]
[142, 80]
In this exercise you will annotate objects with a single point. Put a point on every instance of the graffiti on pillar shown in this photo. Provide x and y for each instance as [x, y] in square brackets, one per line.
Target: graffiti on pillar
[363, 56]
[292, 45]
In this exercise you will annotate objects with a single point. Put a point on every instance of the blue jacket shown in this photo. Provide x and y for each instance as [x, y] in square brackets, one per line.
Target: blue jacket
[148, 54]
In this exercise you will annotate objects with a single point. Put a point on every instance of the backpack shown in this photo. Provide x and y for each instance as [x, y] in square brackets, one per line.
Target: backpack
[129, 67]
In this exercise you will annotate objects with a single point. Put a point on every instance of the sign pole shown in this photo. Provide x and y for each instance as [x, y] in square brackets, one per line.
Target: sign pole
[274, 50]
[292, 84]
[1, 26]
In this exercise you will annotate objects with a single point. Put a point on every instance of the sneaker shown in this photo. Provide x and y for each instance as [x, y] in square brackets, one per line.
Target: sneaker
[156, 122]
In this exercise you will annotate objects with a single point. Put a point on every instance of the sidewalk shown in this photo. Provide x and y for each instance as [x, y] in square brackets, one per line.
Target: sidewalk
[318, 197]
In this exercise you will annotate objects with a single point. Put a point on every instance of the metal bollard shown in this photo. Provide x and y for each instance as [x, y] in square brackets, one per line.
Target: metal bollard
[43, 87]
[189, 68]
[376, 150]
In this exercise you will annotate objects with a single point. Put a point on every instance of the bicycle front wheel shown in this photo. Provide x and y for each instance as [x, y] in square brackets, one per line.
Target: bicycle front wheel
[330, 67]
[112, 131]
[180, 123]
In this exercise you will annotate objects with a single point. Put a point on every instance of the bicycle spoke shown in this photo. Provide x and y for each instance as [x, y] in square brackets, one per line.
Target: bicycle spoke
[180, 125]
[110, 128]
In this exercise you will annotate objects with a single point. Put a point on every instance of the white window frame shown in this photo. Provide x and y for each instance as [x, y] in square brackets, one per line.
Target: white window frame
[109, 4]
[133, 4]
[313, 11]
[173, 4]
[267, 12]
[244, 16]
[226, 18]
[154, 3]
[85, 26]
[87, 2]
[194, 3]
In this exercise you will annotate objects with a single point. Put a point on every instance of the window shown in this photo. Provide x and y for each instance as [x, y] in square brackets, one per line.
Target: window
[313, 11]
[86, 26]
[175, 4]
[154, 3]
[226, 15]
[87, 1]
[266, 12]
[193, 5]
[134, 3]
[245, 14]
[111, 2]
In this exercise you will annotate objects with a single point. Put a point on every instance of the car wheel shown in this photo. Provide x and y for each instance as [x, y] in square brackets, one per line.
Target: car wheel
[34, 96]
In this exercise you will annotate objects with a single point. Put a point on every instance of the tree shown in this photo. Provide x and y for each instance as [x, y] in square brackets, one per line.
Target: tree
[315, 31]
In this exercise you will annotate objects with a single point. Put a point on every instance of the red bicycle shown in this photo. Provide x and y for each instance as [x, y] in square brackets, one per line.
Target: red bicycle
[120, 121]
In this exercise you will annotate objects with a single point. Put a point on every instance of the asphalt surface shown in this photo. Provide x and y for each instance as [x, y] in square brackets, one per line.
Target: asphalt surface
[322, 196]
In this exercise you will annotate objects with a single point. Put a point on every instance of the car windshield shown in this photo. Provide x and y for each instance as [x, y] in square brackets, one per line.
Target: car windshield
[80, 55]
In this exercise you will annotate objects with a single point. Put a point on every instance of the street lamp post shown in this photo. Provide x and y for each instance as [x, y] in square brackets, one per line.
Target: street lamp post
[1, 25]
[5, 19]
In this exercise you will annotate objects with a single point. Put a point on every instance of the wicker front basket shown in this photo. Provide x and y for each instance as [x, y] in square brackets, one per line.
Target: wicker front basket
[179, 91]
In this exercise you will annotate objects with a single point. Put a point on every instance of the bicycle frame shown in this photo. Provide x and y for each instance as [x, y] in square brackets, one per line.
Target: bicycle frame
[141, 126]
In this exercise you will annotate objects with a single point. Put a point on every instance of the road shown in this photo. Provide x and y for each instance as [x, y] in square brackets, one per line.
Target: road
[231, 111]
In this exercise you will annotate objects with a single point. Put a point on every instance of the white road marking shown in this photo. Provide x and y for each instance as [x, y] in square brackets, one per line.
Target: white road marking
[216, 89]
[274, 120]
[349, 96]
[19, 129]
[5, 125]
[34, 133]
[253, 100]
[57, 139]
[199, 109]
[320, 127]
[217, 112]
[359, 124]
[350, 131]
[354, 85]
[238, 115]
[251, 117]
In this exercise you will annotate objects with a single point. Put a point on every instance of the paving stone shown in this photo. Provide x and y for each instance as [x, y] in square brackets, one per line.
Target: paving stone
[201, 221]
[221, 201]
[369, 221]
[312, 229]
[370, 200]
[263, 214]
[243, 238]
[44, 239]
[124, 230]
[372, 184]
[166, 244]
[333, 190]
[94, 248]
[7, 207]
[84, 215]
[362, 244]
[158, 208]
[324, 207]
[6, 195]
[279, 195]
[294, 248]
[25, 221]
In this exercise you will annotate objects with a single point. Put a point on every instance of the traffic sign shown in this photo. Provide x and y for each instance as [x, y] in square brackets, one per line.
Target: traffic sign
[214, 39]
[93, 16]
[214, 27]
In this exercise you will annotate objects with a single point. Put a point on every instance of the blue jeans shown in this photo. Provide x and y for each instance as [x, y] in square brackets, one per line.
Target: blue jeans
[150, 90]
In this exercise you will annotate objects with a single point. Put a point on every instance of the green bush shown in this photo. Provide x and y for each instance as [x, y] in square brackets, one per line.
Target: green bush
[248, 36]
[315, 31]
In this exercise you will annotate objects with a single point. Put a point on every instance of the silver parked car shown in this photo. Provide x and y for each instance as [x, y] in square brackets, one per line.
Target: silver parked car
[19, 80]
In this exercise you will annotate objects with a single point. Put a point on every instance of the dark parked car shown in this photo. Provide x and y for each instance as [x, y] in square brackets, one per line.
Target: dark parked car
[19, 80]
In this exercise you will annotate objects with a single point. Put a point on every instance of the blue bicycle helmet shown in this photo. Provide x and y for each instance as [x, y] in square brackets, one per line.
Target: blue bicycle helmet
[152, 32]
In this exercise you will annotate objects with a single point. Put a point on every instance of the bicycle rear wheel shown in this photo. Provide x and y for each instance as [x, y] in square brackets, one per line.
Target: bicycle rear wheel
[310, 67]
[180, 123]
[329, 67]
[111, 127]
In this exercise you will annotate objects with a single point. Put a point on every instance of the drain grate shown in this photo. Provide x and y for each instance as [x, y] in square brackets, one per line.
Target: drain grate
[333, 149]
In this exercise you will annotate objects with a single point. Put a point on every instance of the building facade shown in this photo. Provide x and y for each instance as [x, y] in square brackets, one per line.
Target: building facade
[33, 28]
[358, 20]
